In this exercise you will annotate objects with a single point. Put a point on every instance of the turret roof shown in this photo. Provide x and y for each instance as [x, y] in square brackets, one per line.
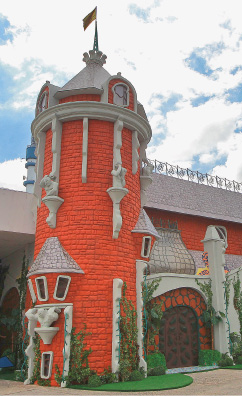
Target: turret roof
[53, 258]
[92, 76]
[144, 225]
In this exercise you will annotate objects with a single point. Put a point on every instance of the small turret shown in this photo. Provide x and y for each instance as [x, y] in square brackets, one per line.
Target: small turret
[30, 165]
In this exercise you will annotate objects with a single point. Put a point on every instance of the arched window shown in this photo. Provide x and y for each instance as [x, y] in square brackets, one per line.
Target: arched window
[43, 102]
[121, 94]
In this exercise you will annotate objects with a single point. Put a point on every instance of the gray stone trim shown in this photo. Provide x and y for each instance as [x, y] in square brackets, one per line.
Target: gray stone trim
[93, 110]
[78, 91]
[84, 149]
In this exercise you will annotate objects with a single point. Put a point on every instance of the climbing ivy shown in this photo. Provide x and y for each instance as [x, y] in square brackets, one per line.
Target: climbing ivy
[37, 362]
[153, 314]
[210, 317]
[22, 288]
[129, 357]
[238, 300]
[79, 370]
[227, 284]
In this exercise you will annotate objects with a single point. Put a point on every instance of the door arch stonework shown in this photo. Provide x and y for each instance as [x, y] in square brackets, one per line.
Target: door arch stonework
[190, 298]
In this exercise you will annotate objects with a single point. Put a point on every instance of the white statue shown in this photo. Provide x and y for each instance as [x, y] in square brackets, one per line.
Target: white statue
[119, 175]
[148, 169]
[50, 185]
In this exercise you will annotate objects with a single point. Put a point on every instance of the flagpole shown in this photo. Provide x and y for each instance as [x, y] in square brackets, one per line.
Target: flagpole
[95, 44]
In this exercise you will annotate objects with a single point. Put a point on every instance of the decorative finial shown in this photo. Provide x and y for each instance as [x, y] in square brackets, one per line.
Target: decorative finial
[94, 57]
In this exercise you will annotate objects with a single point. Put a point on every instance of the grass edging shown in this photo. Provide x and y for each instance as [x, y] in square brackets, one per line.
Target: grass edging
[235, 367]
[162, 382]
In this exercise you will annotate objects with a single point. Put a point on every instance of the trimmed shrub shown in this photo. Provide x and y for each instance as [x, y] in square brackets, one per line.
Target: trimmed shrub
[159, 370]
[225, 360]
[107, 377]
[156, 360]
[136, 376]
[239, 360]
[94, 381]
[208, 357]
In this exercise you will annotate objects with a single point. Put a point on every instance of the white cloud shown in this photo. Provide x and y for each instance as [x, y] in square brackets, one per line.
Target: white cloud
[49, 46]
[11, 174]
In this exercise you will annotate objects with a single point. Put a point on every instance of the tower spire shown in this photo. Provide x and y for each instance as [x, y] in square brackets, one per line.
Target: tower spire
[95, 44]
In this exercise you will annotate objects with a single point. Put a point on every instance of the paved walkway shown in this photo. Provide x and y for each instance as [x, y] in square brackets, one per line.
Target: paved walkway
[216, 382]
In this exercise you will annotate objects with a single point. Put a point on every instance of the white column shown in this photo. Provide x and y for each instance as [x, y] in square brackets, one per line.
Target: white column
[215, 246]
[40, 151]
[84, 149]
[117, 294]
[140, 267]
[56, 147]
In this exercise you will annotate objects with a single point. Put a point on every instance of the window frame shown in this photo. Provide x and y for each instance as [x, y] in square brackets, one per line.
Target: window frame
[38, 289]
[31, 290]
[67, 287]
[51, 353]
[114, 93]
[44, 96]
[143, 247]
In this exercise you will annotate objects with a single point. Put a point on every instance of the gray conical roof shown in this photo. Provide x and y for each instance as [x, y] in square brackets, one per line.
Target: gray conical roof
[53, 258]
[92, 76]
[144, 225]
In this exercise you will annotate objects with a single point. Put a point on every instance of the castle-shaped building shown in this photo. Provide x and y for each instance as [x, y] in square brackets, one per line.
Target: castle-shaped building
[100, 223]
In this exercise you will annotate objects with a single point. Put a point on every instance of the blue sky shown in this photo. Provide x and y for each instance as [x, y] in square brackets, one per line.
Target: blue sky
[185, 66]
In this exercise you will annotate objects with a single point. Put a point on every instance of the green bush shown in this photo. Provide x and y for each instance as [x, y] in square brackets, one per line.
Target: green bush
[136, 376]
[208, 357]
[225, 360]
[239, 360]
[155, 371]
[107, 377]
[155, 360]
[124, 370]
[94, 381]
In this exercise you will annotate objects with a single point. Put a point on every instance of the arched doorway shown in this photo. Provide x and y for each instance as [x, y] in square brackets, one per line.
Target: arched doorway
[178, 337]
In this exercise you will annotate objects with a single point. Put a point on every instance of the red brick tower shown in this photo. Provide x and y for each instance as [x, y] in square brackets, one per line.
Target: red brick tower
[91, 137]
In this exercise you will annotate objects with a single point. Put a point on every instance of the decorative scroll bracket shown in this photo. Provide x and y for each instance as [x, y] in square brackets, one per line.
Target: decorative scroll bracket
[117, 192]
[51, 182]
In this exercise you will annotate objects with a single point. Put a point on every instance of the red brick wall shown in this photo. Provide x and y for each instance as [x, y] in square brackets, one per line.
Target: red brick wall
[110, 93]
[84, 227]
[80, 98]
[193, 229]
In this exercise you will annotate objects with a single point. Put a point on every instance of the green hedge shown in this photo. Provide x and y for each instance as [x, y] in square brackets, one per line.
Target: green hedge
[208, 357]
[155, 360]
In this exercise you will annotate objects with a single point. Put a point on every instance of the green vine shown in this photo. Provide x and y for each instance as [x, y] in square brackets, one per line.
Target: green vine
[154, 314]
[129, 357]
[79, 370]
[227, 284]
[22, 288]
[210, 317]
[238, 300]
[37, 361]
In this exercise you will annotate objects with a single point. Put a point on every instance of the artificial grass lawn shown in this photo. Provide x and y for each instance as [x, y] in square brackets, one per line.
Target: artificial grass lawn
[162, 382]
[235, 367]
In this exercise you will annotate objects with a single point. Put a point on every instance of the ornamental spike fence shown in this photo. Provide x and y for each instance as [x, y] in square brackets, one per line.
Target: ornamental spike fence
[197, 177]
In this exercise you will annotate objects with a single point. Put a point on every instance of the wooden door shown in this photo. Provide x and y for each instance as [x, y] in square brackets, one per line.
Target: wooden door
[178, 337]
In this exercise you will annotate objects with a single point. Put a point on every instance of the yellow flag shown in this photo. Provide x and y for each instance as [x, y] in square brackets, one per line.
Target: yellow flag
[89, 18]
